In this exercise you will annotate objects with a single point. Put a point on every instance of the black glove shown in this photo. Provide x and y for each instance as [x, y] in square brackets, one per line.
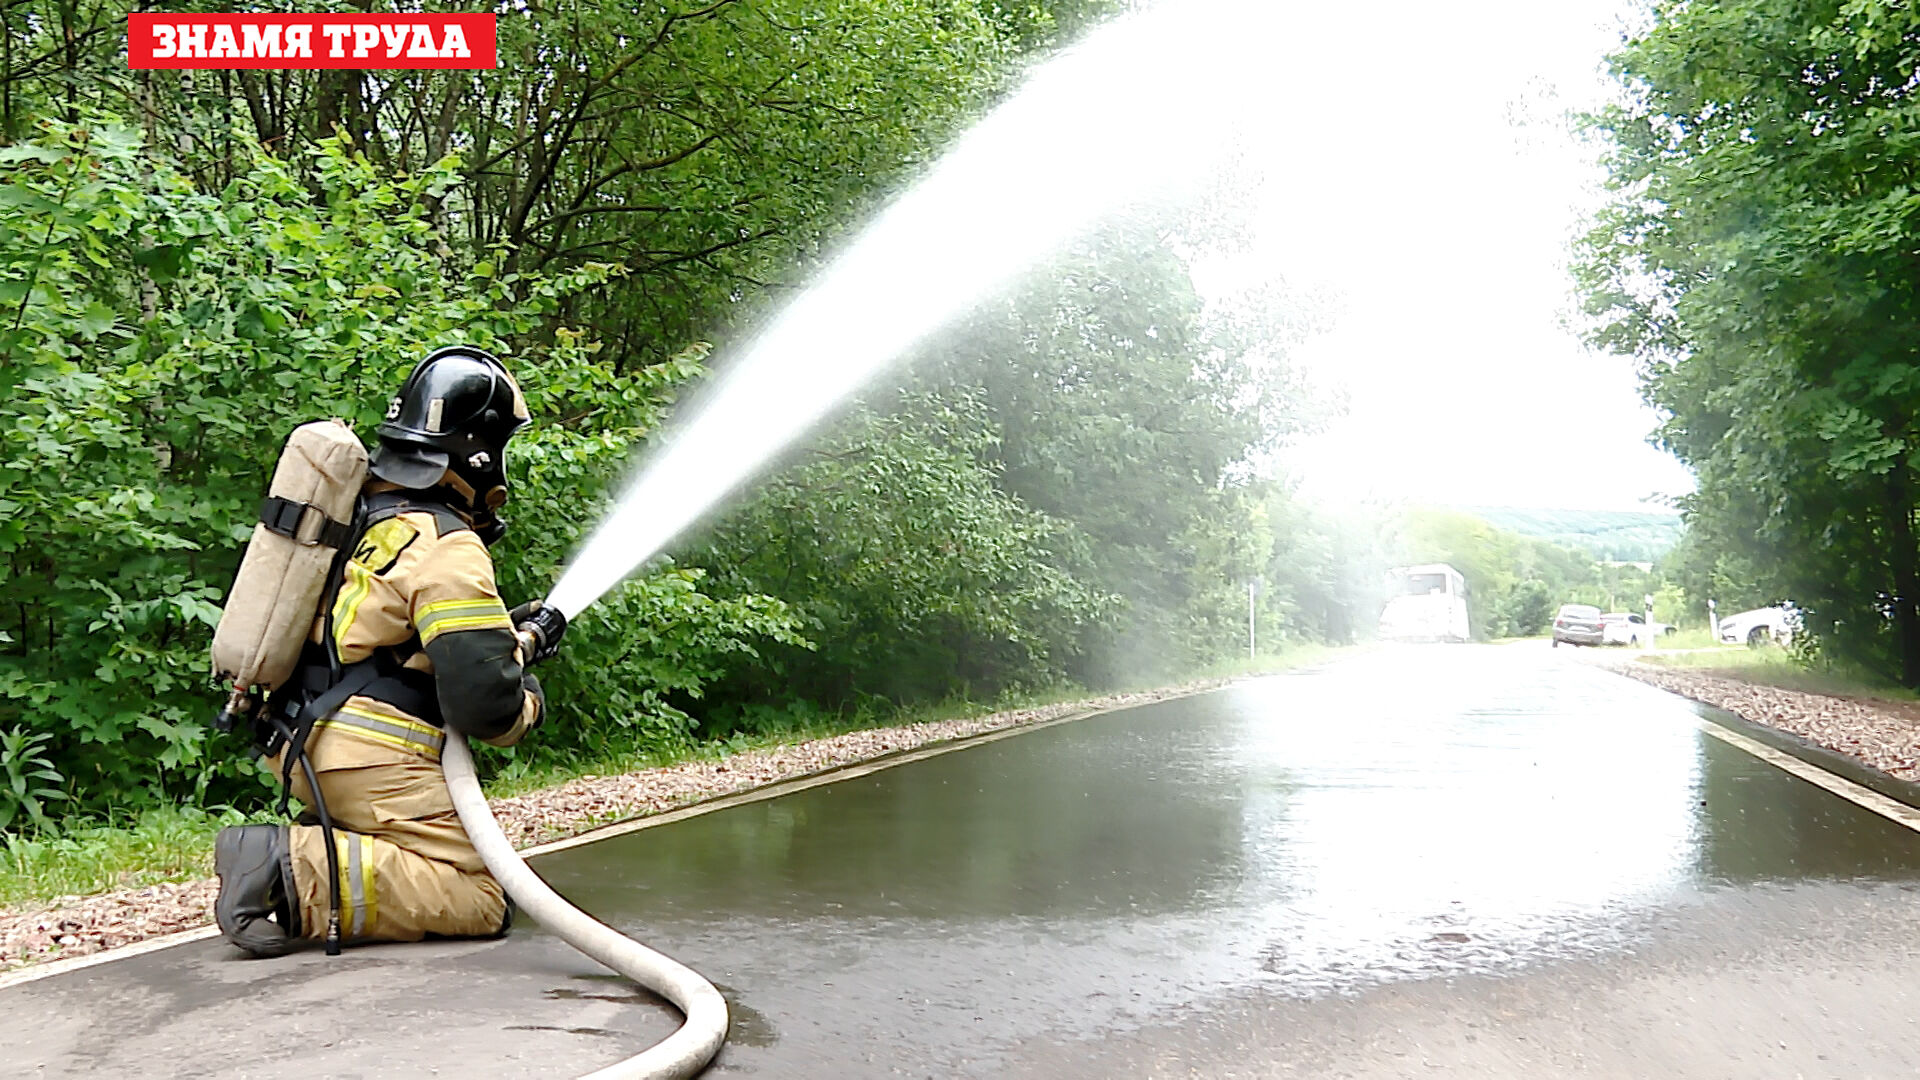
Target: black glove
[545, 624]
[531, 685]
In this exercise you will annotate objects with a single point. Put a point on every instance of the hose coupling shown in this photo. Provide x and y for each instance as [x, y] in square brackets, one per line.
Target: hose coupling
[240, 705]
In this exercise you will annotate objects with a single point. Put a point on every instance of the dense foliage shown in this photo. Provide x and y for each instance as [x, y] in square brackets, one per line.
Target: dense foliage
[918, 575]
[192, 263]
[710, 148]
[1758, 260]
[163, 342]
[1127, 407]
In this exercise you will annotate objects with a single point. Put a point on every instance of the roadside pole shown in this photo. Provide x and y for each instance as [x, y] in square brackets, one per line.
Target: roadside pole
[1253, 591]
[1653, 641]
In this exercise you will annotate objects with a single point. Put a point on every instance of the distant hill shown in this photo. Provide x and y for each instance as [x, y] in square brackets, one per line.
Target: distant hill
[1619, 536]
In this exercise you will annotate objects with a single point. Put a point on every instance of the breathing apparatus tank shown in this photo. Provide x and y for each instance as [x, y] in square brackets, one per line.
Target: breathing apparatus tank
[307, 517]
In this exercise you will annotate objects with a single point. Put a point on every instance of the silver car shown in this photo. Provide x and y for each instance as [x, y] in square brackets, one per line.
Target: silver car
[1578, 624]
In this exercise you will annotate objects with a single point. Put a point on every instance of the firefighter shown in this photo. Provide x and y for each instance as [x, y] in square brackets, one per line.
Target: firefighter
[416, 630]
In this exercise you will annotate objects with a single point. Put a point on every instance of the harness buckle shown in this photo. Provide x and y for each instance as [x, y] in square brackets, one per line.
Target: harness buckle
[301, 522]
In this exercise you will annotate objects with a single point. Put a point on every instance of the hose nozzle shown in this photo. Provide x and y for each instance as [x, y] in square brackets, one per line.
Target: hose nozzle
[539, 631]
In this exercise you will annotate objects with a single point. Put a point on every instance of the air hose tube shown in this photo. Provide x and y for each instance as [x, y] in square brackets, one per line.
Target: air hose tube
[687, 1050]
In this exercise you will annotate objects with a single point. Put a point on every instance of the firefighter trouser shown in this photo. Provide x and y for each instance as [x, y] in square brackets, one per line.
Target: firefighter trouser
[407, 868]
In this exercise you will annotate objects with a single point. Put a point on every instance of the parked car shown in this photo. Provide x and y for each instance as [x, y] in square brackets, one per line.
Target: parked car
[1578, 624]
[1624, 628]
[1761, 626]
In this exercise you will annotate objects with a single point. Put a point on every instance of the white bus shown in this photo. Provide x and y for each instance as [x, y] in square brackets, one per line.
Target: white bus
[1429, 603]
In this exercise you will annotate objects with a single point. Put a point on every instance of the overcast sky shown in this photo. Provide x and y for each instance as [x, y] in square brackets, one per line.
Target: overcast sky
[1416, 166]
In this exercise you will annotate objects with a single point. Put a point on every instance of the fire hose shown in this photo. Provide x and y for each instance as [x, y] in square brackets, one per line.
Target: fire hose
[698, 1039]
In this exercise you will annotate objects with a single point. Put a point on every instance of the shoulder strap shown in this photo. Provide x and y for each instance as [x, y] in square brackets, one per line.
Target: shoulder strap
[328, 595]
[394, 684]
[391, 504]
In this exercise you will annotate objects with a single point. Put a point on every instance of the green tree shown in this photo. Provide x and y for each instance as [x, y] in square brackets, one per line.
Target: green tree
[1528, 608]
[1758, 262]
[263, 247]
[1126, 407]
[1060, 486]
[1327, 576]
[918, 575]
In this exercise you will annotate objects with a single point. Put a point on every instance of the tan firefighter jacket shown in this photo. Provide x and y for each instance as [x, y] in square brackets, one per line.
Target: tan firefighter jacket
[419, 586]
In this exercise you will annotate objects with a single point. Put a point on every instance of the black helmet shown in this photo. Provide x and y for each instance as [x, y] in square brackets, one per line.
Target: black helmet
[455, 412]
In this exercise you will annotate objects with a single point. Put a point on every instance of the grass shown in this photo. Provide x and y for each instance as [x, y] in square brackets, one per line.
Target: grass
[1288, 658]
[527, 774]
[1700, 638]
[175, 844]
[163, 845]
[1770, 666]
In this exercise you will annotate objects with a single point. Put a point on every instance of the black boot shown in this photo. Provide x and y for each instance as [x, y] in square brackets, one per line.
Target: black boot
[258, 908]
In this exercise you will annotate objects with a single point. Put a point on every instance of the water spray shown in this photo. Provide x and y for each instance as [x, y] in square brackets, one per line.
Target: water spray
[1140, 105]
[1127, 112]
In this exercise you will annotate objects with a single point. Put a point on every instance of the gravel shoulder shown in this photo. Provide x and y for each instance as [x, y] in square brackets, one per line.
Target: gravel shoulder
[81, 926]
[1883, 735]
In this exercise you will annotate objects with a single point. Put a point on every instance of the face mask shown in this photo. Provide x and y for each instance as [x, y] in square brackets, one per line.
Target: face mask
[490, 529]
[486, 517]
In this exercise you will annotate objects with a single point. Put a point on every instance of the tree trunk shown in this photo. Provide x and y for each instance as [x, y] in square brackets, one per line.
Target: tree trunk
[1904, 560]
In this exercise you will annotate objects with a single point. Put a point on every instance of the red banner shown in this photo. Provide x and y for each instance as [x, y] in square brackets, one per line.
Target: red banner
[159, 40]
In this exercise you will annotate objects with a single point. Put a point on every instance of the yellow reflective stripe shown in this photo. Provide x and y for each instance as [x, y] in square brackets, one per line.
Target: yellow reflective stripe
[358, 896]
[448, 616]
[441, 625]
[342, 848]
[433, 734]
[347, 607]
[366, 868]
[484, 604]
[402, 742]
[382, 737]
[472, 622]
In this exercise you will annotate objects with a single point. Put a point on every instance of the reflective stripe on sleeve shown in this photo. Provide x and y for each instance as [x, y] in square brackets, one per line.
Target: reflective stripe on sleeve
[347, 606]
[486, 613]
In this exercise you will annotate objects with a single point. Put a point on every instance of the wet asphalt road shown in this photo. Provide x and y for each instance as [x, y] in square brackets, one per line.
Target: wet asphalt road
[1460, 861]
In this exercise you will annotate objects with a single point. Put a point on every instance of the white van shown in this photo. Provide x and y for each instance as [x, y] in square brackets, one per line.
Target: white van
[1430, 604]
